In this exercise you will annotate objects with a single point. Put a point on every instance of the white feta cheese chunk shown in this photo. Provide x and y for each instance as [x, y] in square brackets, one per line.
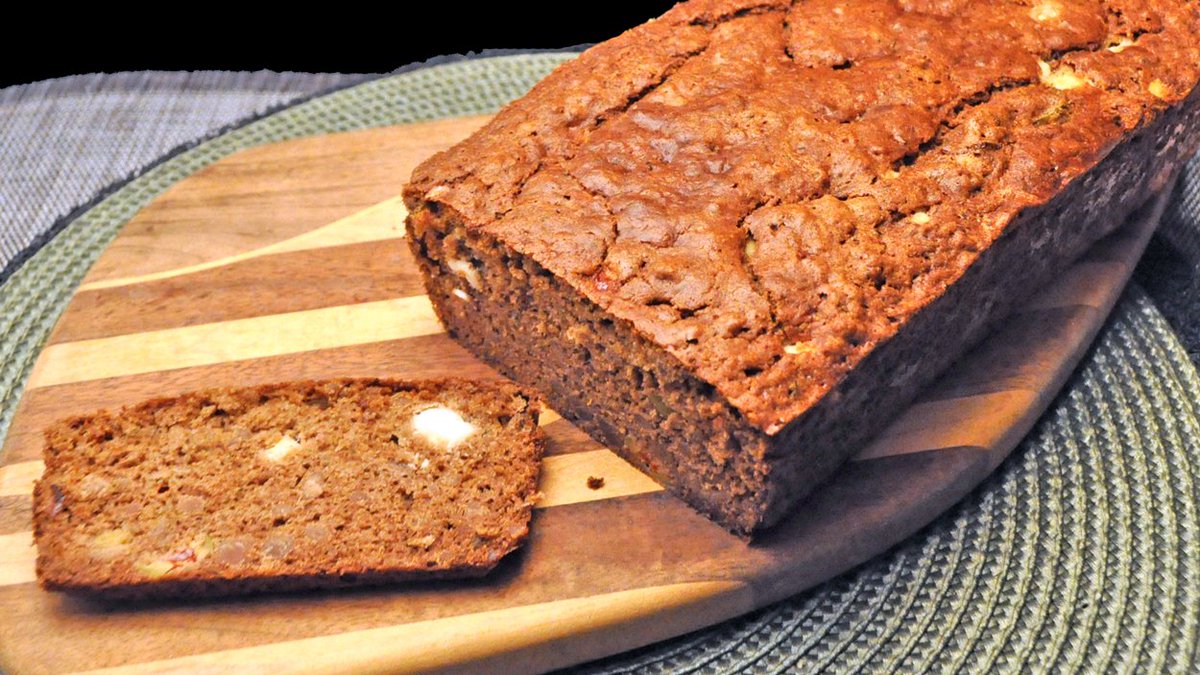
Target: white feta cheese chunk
[286, 446]
[442, 427]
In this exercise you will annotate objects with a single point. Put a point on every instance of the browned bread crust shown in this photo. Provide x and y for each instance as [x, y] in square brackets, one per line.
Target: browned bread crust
[324, 484]
[732, 242]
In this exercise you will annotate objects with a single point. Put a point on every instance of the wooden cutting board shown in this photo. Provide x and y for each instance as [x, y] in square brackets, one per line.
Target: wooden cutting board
[285, 262]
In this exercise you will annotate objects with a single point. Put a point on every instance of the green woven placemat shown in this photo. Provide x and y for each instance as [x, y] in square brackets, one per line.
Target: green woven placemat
[1079, 553]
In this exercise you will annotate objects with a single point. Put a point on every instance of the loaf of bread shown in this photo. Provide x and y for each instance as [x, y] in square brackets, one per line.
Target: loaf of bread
[300, 485]
[733, 241]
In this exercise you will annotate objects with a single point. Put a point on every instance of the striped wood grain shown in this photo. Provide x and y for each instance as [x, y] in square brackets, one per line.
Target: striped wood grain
[304, 275]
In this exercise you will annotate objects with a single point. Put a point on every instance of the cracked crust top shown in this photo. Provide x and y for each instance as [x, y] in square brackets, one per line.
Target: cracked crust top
[770, 189]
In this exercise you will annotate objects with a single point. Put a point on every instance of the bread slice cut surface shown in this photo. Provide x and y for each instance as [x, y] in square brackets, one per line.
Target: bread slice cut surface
[321, 484]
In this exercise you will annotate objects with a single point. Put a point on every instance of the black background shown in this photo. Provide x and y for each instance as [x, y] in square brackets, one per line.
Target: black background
[57, 41]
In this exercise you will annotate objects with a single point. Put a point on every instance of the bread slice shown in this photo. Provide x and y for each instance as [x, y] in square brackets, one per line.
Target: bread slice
[287, 486]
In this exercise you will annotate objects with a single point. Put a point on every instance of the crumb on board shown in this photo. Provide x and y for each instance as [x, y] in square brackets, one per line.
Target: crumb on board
[595, 483]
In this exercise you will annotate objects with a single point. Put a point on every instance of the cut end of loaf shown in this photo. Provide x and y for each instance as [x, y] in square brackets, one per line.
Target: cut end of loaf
[595, 370]
[300, 485]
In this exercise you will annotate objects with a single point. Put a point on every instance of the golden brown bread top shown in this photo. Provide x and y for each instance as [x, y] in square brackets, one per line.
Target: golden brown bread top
[770, 189]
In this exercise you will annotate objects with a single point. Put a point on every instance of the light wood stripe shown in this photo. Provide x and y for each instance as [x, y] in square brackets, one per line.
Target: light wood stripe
[492, 639]
[18, 558]
[235, 340]
[563, 481]
[976, 421]
[384, 220]
[16, 514]
[565, 477]
[17, 479]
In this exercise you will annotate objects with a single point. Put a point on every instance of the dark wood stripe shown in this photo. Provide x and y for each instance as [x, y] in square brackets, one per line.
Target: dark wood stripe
[564, 438]
[271, 284]
[863, 510]
[1021, 354]
[580, 543]
[977, 449]
[1115, 247]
